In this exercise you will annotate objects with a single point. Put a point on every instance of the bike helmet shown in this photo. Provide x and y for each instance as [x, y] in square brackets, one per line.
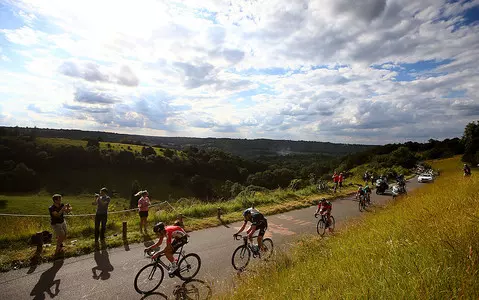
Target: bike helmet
[246, 212]
[158, 227]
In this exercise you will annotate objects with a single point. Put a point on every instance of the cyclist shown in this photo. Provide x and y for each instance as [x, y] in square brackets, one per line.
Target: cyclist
[258, 221]
[324, 208]
[175, 238]
[360, 192]
[367, 193]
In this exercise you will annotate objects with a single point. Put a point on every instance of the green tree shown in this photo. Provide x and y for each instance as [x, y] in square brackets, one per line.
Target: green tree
[470, 139]
[135, 188]
[147, 151]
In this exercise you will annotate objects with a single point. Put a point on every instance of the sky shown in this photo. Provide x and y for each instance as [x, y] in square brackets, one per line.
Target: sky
[348, 71]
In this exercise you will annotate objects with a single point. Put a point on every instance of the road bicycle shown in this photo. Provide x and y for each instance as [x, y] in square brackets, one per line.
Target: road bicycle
[149, 278]
[362, 203]
[323, 224]
[242, 254]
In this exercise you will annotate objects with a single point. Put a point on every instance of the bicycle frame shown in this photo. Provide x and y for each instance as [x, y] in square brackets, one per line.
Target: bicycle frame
[245, 240]
[180, 253]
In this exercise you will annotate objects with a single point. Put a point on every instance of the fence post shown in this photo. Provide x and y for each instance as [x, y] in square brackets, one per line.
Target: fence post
[124, 230]
[219, 212]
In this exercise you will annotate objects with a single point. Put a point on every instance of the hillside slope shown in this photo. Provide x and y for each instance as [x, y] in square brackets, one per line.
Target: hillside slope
[422, 246]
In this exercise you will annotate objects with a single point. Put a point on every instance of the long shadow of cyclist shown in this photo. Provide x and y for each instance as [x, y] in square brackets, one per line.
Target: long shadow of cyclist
[47, 281]
[103, 264]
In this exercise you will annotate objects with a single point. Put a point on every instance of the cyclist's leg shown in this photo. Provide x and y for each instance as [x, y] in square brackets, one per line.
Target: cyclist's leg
[262, 230]
[250, 232]
[169, 253]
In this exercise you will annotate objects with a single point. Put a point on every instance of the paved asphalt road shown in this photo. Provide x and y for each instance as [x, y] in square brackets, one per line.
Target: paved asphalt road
[109, 274]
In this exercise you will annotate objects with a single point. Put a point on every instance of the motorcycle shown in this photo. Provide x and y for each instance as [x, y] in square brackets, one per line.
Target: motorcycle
[381, 186]
[399, 188]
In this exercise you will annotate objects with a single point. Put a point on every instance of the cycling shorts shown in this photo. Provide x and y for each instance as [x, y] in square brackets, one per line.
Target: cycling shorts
[262, 226]
[178, 242]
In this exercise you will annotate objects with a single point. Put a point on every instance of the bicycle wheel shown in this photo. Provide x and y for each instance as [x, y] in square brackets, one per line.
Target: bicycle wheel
[149, 278]
[321, 227]
[361, 203]
[268, 245]
[189, 266]
[241, 257]
[332, 225]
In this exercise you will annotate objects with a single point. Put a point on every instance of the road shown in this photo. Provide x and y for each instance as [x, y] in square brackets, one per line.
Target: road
[109, 274]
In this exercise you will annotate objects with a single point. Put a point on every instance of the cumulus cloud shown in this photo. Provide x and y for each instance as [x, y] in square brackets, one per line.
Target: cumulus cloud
[335, 70]
[93, 72]
[84, 95]
[33, 107]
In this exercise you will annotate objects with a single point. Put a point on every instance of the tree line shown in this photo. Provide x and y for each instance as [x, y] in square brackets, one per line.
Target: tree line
[206, 173]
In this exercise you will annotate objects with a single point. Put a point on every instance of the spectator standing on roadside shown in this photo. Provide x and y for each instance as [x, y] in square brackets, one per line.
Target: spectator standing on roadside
[335, 180]
[143, 207]
[57, 220]
[467, 170]
[340, 180]
[101, 201]
[373, 177]
[366, 177]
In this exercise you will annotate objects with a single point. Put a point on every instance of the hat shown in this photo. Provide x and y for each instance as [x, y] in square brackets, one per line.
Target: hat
[104, 189]
[141, 193]
[56, 196]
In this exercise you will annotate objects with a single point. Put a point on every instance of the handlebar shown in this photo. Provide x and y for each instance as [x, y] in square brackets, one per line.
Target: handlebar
[237, 237]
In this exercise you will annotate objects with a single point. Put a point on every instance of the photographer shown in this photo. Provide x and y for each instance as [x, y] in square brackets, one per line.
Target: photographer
[57, 220]
[101, 201]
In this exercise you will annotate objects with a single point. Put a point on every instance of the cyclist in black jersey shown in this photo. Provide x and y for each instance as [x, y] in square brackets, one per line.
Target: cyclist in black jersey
[258, 222]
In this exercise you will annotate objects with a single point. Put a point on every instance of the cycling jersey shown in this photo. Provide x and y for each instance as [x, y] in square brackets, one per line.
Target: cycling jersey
[361, 191]
[174, 232]
[258, 220]
[325, 206]
[367, 190]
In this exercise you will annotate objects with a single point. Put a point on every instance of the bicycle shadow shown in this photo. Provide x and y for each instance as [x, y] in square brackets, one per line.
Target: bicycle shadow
[47, 281]
[190, 289]
[104, 265]
[193, 289]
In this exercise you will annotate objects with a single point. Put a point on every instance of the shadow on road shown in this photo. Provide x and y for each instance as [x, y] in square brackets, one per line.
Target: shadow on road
[35, 260]
[192, 289]
[47, 281]
[103, 266]
[126, 245]
[147, 241]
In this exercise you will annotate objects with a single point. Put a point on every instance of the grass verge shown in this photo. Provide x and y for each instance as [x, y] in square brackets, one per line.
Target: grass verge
[423, 246]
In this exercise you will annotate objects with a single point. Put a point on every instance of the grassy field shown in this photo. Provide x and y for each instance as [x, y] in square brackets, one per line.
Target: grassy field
[16, 231]
[423, 246]
[61, 142]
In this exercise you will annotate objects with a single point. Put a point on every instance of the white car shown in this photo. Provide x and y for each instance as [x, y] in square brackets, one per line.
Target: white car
[425, 178]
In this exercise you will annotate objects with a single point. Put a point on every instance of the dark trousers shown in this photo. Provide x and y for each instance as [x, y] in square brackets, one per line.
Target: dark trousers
[100, 219]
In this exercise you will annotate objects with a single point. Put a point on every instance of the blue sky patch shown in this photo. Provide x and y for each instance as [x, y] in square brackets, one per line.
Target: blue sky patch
[8, 19]
[456, 94]
[411, 71]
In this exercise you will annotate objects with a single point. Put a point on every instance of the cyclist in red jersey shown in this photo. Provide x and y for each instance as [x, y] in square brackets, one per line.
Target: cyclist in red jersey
[324, 208]
[175, 238]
